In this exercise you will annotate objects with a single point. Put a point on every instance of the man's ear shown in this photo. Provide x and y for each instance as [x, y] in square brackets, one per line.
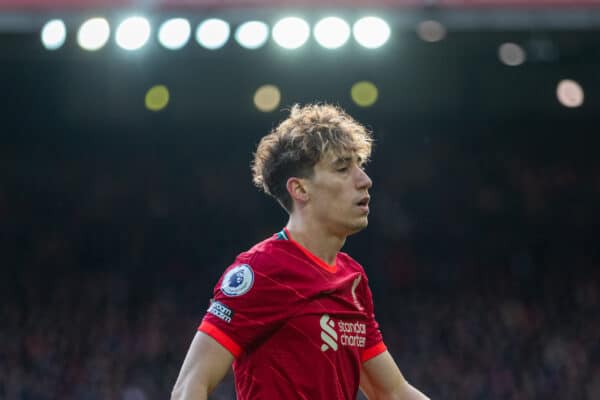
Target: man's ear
[296, 187]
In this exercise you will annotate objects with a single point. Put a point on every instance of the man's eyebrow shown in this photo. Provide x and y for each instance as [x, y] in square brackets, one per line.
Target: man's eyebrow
[345, 160]
[342, 160]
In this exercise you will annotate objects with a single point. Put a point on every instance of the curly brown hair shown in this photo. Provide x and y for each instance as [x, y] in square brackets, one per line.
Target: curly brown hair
[300, 141]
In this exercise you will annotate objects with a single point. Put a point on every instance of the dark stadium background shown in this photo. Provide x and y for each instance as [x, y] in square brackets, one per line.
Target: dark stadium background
[116, 222]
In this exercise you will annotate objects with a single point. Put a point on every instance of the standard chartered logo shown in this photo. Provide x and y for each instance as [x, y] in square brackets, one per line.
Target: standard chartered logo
[328, 334]
[351, 333]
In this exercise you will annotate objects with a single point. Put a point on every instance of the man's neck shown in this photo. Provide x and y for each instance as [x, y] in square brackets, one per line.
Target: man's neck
[316, 239]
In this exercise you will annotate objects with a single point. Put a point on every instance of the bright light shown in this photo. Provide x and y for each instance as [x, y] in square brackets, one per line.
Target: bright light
[364, 93]
[54, 34]
[173, 34]
[93, 34]
[569, 93]
[213, 33]
[157, 98]
[371, 32]
[511, 54]
[332, 32]
[133, 33]
[431, 31]
[252, 34]
[267, 98]
[291, 33]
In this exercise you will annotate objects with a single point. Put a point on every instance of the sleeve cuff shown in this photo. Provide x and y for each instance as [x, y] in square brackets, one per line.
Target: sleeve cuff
[373, 351]
[224, 340]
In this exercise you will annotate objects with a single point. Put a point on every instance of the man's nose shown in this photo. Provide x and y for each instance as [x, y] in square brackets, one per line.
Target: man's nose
[363, 181]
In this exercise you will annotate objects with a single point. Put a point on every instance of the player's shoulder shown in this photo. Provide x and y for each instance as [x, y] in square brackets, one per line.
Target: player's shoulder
[240, 276]
[266, 254]
[349, 262]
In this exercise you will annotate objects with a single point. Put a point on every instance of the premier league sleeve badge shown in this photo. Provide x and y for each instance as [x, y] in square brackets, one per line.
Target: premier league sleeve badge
[238, 280]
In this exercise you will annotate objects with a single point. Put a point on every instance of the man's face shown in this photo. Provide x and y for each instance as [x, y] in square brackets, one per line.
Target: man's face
[339, 193]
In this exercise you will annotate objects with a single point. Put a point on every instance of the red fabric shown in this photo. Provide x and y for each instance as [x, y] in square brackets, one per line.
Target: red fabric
[303, 330]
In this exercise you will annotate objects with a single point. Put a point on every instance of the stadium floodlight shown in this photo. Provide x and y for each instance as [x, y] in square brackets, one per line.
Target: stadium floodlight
[54, 34]
[332, 32]
[291, 32]
[133, 33]
[511, 54]
[157, 98]
[267, 98]
[213, 33]
[93, 34]
[371, 32]
[364, 93]
[570, 93]
[431, 31]
[174, 33]
[252, 34]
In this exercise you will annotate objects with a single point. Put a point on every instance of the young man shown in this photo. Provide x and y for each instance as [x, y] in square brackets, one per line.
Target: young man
[294, 314]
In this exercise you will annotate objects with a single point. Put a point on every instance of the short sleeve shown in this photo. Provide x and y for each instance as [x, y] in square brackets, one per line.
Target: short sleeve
[374, 342]
[247, 305]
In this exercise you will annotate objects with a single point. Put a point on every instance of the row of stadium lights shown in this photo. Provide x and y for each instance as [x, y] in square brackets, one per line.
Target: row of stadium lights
[267, 97]
[290, 33]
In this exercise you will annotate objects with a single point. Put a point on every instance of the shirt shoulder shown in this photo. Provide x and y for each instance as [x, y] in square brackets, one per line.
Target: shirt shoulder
[266, 255]
[350, 263]
[274, 262]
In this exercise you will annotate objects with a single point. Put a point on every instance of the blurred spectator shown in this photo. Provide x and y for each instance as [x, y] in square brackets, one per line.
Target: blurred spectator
[482, 262]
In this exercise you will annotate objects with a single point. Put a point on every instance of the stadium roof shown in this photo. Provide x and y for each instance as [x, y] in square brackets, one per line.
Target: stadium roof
[166, 4]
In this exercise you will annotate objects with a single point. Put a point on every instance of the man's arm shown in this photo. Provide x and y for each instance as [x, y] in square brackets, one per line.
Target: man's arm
[205, 365]
[381, 379]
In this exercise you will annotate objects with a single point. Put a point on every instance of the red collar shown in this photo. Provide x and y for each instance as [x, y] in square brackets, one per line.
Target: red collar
[315, 259]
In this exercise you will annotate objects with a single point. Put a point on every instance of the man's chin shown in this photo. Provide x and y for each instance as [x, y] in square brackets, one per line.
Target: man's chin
[359, 225]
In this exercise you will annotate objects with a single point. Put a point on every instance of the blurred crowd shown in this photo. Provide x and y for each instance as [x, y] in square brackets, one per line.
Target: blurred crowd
[482, 260]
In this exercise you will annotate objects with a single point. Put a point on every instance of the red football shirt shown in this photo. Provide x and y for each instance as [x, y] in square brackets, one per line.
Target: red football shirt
[298, 328]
